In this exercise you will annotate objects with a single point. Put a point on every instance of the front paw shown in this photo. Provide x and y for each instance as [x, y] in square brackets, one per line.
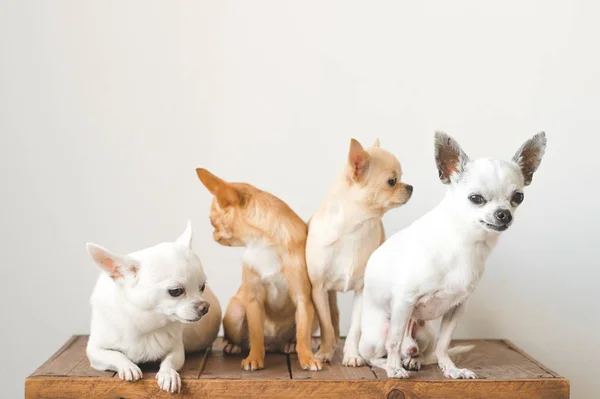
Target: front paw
[169, 380]
[309, 362]
[396, 372]
[130, 373]
[353, 360]
[253, 363]
[458, 374]
[411, 363]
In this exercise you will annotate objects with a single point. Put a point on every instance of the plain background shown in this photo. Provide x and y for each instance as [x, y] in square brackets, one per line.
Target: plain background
[106, 109]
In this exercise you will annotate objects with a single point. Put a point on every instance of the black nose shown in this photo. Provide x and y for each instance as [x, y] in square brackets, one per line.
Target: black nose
[503, 216]
[203, 308]
[409, 189]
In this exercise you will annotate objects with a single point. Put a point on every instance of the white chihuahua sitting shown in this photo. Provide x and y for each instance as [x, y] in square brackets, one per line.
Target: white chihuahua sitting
[139, 304]
[429, 269]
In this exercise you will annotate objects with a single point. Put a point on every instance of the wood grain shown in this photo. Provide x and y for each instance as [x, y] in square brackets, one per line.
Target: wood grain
[506, 372]
[66, 359]
[331, 371]
[88, 388]
[490, 359]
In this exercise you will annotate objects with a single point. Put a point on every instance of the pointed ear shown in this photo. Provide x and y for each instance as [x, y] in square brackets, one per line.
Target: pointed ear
[186, 237]
[529, 156]
[376, 144]
[226, 194]
[358, 159]
[114, 265]
[449, 157]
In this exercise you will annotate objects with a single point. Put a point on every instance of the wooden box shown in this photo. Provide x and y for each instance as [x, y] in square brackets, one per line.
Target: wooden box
[505, 372]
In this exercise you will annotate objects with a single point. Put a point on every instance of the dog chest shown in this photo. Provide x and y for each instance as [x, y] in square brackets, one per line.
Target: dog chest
[349, 256]
[265, 261]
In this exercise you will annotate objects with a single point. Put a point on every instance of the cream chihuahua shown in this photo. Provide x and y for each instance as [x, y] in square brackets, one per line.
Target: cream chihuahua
[273, 304]
[429, 269]
[140, 305]
[344, 232]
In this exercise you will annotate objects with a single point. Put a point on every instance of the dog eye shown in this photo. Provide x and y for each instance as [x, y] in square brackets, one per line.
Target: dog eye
[517, 198]
[477, 199]
[392, 182]
[202, 287]
[175, 292]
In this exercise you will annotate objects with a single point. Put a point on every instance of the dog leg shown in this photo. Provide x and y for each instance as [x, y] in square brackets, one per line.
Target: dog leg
[321, 301]
[410, 349]
[449, 322]
[235, 327]
[401, 313]
[167, 376]
[335, 314]
[374, 331]
[105, 359]
[300, 290]
[255, 313]
[351, 356]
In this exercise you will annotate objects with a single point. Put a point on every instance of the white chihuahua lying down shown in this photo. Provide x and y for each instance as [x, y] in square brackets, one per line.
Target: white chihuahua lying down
[430, 268]
[138, 307]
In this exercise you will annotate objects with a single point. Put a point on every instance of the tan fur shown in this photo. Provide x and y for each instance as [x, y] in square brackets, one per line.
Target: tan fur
[344, 232]
[243, 215]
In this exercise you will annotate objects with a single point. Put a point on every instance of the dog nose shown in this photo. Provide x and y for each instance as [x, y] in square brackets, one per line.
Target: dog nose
[409, 189]
[503, 216]
[413, 351]
[203, 307]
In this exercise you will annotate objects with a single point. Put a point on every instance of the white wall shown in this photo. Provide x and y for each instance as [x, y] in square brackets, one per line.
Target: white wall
[106, 108]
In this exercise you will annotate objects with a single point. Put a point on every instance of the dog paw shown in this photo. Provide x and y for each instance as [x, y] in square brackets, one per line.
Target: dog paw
[169, 380]
[289, 347]
[353, 360]
[131, 373]
[458, 374]
[231, 349]
[396, 372]
[411, 363]
[324, 355]
[251, 363]
[310, 362]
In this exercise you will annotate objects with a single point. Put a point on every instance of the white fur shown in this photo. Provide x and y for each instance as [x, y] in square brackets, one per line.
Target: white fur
[265, 260]
[430, 269]
[136, 320]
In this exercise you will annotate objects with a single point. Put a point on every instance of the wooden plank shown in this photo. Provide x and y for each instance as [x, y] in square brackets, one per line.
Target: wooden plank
[514, 347]
[276, 369]
[220, 365]
[88, 388]
[490, 359]
[66, 359]
[84, 369]
[331, 371]
[194, 364]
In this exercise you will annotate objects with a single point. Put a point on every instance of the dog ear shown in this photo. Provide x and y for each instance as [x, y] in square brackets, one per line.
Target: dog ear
[376, 143]
[358, 160]
[449, 157]
[113, 264]
[186, 237]
[226, 194]
[529, 156]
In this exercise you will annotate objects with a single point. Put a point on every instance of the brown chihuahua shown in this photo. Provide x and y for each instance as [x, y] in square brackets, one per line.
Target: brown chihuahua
[274, 300]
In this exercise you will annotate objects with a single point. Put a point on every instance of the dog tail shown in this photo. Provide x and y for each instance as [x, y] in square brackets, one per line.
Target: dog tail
[453, 352]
